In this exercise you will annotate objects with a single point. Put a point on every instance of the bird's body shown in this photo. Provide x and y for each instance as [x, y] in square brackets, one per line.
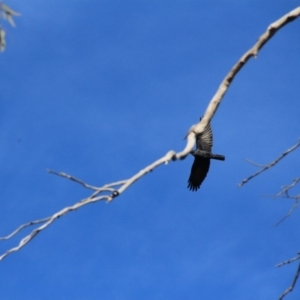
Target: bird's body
[201, 164]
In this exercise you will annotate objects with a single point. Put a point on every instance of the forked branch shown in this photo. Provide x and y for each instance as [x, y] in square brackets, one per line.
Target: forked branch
[285, 193]
[268, 166]
[291, 287]
[110, 191]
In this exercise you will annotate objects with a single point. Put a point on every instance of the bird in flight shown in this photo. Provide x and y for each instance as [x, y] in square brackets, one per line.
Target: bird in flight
[203, 155]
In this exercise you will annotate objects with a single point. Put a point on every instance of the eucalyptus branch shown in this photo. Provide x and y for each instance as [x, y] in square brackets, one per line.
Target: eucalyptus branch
[110, 191]
[24, 226]
[263, 39]
[106, 192]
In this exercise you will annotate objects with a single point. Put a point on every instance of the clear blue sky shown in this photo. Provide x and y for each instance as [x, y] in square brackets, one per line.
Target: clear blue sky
[100, 89]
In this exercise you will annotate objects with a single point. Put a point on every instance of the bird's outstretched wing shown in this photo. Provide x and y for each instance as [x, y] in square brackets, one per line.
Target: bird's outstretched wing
[205, 140]
[199, 170]
[200, 166]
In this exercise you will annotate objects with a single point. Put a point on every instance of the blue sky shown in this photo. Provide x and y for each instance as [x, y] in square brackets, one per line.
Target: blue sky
[99, 90]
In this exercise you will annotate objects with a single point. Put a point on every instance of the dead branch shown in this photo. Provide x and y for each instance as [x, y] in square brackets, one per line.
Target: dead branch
[285, 190]
[286, 262]
[109, 191]
[268, 166]
[289, 213]
[22, 227]
[263, 39]
[291, 287]
[284, 193]
[254, 164]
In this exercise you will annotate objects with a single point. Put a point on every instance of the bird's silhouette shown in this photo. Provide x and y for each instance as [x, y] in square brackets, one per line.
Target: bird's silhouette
[203, 155]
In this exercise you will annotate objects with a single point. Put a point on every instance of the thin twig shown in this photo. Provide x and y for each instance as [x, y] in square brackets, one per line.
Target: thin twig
[254, 164]
[24, 226]
[64, 175]
[291, 287]
[272, 164]
[294, 206]
[286, 188]
[284, 193]
[286, 262]
[48, 222]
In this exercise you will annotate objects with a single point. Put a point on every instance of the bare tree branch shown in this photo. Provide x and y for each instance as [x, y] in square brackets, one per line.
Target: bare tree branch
[106, 187]
[294, 206]
[286, 262]
[254, 164]
[285, 190]
[48, 221]
[24, 226]
[263, 39]
[291, 287]
[8, 13]
[109, 191]
[272, 164]
[284, 193]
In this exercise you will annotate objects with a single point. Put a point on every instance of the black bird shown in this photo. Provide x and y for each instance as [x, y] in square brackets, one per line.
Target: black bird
[203, 155]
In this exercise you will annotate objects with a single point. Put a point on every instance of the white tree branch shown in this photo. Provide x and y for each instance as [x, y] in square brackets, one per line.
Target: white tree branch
[263, 39]
[109, 191]
[24, 226]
